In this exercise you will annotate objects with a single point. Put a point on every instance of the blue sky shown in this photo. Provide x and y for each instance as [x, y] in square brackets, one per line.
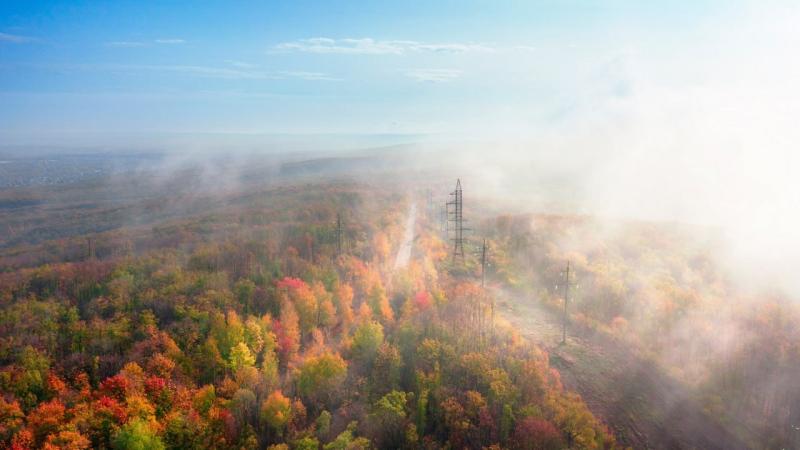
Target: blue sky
[337, 67]
[681, 110]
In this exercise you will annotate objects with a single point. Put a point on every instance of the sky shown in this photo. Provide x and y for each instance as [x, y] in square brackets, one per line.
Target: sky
[664, 110]
[477, 67]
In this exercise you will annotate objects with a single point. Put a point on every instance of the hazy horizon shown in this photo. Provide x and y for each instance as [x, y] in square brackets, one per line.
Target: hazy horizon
[679, 111]
[236, 225]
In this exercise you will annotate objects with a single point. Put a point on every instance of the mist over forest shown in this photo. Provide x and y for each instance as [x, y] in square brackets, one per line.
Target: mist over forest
[518, 225]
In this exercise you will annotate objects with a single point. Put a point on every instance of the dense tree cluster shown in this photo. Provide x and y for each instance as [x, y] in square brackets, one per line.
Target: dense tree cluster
[259, 339]
[659, 289]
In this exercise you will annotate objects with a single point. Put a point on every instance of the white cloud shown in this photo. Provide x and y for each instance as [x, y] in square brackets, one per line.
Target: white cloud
[369, 46]
[132, 44]
[125, 44]
[15, 39]
[236, 73]
[310, 76]
[433, 75]
[210, 72]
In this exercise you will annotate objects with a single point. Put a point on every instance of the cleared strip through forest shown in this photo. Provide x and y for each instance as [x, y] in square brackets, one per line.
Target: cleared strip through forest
[404, 251]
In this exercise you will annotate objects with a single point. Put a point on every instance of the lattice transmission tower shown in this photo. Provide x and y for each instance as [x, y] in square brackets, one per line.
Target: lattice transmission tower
[568, 283]
[456, 216]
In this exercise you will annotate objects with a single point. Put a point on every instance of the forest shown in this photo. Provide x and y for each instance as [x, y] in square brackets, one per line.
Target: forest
[663, 291]
[338, 225]
[277, 319]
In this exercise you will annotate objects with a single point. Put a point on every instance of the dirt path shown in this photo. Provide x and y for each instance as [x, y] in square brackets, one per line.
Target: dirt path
[644, 407]
[404, 252]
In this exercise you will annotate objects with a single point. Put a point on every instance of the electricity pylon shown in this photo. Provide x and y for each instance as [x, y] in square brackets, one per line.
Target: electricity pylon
[483, 264]
[566, 302]
[339, 234]
[457, 217]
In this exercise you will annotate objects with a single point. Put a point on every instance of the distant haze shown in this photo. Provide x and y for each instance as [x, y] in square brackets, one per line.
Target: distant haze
[674, 111]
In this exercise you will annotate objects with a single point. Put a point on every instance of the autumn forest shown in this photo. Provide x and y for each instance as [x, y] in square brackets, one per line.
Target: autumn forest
[279, 318]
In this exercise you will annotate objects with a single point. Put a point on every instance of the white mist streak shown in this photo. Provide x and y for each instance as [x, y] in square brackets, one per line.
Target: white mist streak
[404, 252]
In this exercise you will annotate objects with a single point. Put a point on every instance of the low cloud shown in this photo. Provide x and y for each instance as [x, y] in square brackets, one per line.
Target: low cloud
[369, 46]
[433, 75]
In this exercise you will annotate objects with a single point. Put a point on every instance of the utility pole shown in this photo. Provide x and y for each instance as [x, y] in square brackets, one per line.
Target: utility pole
[566, 300]
[483, 264]
[309, 247]
[90, 248]
[338, 234]
[458, 221]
